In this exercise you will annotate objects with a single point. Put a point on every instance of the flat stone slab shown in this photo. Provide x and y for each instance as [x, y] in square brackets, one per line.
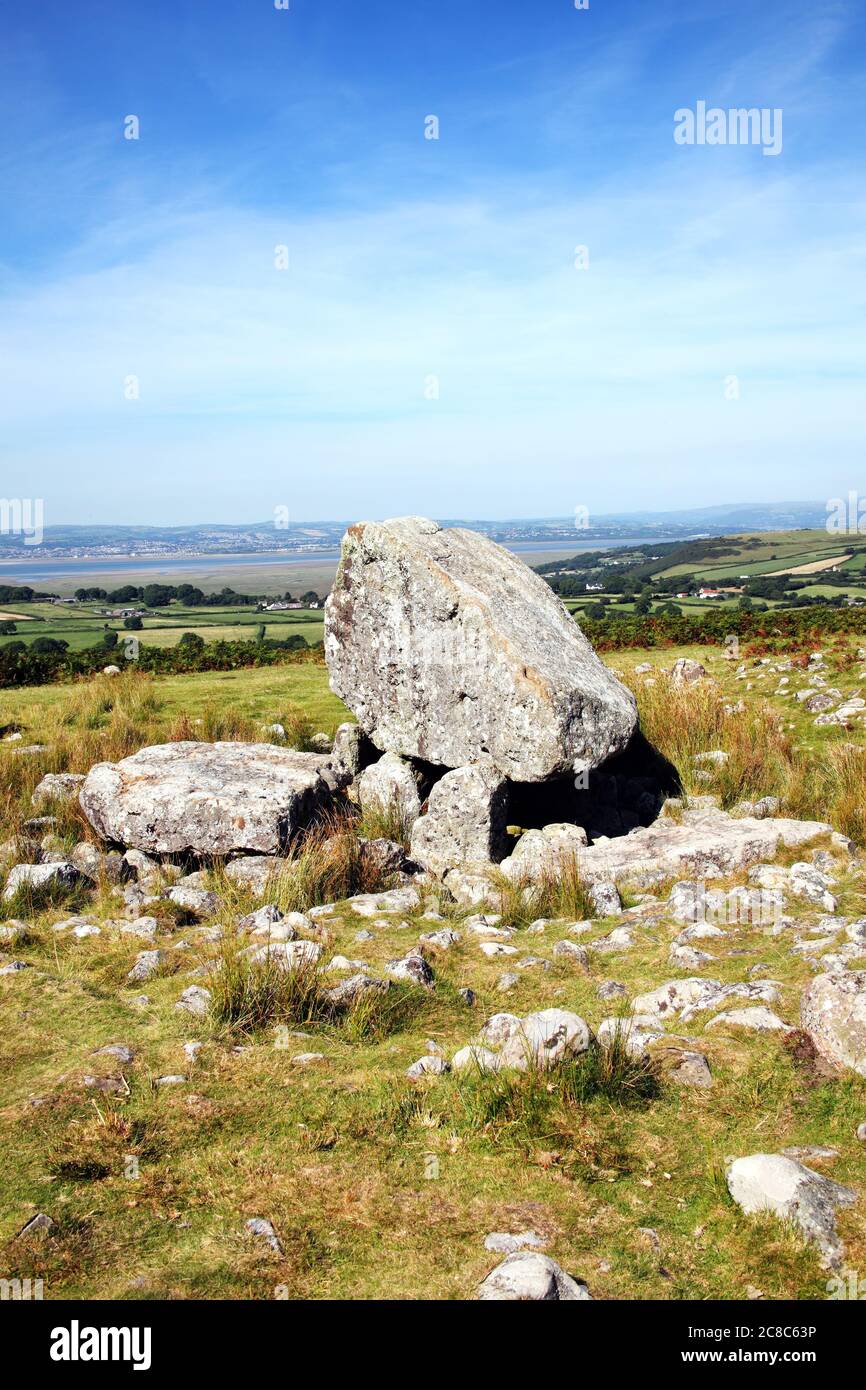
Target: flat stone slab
[205, 798]
[706, 844]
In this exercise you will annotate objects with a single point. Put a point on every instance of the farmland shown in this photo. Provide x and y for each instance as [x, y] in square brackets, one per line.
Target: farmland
[83, 625]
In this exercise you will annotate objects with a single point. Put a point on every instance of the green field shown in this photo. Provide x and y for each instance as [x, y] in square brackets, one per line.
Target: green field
[82, 626]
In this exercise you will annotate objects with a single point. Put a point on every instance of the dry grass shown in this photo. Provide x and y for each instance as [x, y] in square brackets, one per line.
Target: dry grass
[819, 782]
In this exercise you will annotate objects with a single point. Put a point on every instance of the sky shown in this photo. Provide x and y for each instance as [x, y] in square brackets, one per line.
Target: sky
[284, 294]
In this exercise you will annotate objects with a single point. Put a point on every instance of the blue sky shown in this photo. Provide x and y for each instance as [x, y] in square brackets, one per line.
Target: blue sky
[432, 346]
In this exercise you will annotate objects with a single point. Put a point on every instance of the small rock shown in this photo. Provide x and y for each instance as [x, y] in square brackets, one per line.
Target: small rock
[147, 963]
[121, 1051]
[772, 1182]
[194, 1000]
[503, 1243]
[527, 1277]
[262, 1229]
[427, 1066]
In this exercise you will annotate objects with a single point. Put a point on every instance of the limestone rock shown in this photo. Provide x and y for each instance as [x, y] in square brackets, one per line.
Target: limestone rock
[205, 798]
[391, 784]
[833, 1010]
[465, 820]
[60, 874]
[448, 648]
[528, 1277]
[539, 1039]
[57, 786]
[705, 843]
[771, 1182]
[539, 853]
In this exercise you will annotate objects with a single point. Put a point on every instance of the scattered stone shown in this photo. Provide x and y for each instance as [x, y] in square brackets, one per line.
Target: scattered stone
[121, 1051]
[468, 997]
[347, 993]
[527, 1277]
[191, 1050]
[262, 1229]
[611, 989]
[686, 671]
[689, 1069]
[147, 963]
[171, 1079]
[12, 967]
[755, 1020]
[540, 1039]
[37, 1225]
[635, 1033]
[571, 952]
[428, 1066]
[197, 901]
[57, 786]
[497, 948]
[144, 927]
[308, 1059]
[263, 917]
[107, 1085]
[503, 1243]
[440, 940]
[287, 955]
[604, 898]
[413, 968]
[507, 981]
[62, 874]
[772, 1182]
[395, 900]
[195, 1000]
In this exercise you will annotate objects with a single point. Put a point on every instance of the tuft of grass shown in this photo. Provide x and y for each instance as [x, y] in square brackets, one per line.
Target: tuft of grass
[248, 996]
[612, 1073]
[216, 724]
[385, 822]
[561, 894]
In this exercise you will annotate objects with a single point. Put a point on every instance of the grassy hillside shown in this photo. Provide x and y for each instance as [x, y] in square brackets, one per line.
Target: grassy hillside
[377, 1186]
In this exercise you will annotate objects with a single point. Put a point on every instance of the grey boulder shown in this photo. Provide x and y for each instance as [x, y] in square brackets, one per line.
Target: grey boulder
[772, 1182]
[448, 648]
[528, 1277]
[833, 1011]
[205, 798]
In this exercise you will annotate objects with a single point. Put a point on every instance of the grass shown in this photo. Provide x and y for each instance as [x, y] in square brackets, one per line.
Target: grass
[564, 894]
[379, 1186]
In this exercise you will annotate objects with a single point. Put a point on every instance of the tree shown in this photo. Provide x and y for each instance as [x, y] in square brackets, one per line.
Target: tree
[109, 638]
[260, 632]
[309, 597]
[191, 642]
[134, 624]
[643, 604]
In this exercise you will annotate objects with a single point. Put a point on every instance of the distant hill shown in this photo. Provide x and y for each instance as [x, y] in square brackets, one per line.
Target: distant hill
[123, 541]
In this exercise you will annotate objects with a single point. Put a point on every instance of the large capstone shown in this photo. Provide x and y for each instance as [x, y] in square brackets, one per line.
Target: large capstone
[205, 798]
[448, 649]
